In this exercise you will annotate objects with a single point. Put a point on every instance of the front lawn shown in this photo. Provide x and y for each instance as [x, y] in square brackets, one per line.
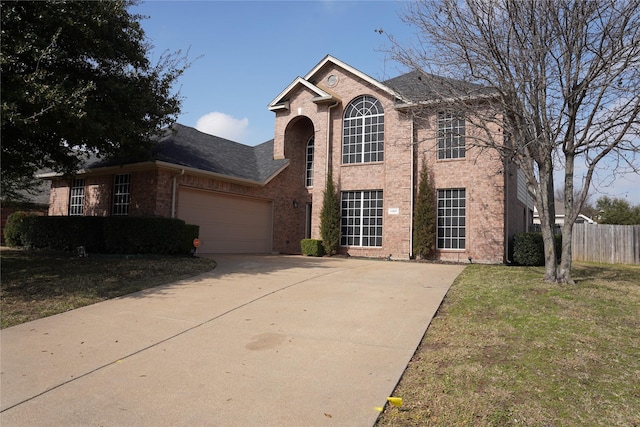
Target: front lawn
[507, 349]
[37, 284]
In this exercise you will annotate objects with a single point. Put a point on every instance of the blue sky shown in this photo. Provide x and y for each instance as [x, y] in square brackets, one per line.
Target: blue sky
[251, 50]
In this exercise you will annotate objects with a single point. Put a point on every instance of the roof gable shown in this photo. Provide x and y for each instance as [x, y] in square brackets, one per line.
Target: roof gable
[409, 89]
[281, 101]
[336, 62]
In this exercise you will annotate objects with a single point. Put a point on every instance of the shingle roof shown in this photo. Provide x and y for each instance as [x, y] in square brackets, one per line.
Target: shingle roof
[185, 146]
[420, 86]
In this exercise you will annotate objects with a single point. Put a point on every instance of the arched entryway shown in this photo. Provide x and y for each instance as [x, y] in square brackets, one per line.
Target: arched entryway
[293, 210]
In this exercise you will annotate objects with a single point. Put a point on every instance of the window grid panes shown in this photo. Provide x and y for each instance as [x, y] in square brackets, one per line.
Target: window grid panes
[451, 136]
[363, 131]
[309, 174]
[361, 218]
[76, 202]
[452, 218]
[121, 188]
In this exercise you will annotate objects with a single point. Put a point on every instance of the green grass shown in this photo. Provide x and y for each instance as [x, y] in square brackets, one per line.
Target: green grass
[508, 349]
[37, 284]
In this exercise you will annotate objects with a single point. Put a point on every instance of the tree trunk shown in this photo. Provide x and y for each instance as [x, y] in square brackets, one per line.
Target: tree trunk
[547, 215]
[564, 271]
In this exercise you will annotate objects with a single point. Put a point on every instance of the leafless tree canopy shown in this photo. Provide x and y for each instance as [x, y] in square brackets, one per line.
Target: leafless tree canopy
[561, 78]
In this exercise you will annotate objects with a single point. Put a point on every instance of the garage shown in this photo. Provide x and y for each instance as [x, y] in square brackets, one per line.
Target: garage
[228, 224]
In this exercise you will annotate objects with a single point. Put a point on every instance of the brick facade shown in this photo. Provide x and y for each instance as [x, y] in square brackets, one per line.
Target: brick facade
[493, 211]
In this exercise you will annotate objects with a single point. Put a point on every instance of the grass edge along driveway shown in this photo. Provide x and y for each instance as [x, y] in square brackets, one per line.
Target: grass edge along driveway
[508, 349]
[38, 284]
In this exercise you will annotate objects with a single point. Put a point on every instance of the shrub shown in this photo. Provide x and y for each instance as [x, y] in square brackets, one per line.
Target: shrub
[330, 218]
[17, 227]
[424, 216]
[122, 235]
[528, 248]
[137, 235]
[68, 232]
[312, 247]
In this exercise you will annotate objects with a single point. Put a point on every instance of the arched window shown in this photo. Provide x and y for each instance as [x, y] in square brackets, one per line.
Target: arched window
[309, 172]
[363, 131]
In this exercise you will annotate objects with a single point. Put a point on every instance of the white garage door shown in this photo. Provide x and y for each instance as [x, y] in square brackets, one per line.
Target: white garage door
[228, 224]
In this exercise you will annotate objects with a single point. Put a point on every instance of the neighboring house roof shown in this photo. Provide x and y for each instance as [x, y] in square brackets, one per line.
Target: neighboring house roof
[38, 197]
[559, 219]
[185, 147]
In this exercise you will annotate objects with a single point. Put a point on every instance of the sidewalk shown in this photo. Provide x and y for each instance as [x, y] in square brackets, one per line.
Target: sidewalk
[262, 340]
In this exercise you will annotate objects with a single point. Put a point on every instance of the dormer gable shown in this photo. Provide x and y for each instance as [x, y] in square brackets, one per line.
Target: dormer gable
[281, 101]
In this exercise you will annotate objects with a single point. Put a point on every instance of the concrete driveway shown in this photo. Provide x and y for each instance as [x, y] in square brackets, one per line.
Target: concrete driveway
[261, 340]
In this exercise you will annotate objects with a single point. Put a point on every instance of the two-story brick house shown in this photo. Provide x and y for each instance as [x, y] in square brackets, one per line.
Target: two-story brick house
[267, 198]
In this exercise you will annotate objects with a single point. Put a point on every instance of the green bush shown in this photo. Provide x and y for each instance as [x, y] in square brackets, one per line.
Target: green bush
[330, 218]
[16, 230]
[528, 248]
[68, 232]
[312, 247]
[156, 235]
[118, 235]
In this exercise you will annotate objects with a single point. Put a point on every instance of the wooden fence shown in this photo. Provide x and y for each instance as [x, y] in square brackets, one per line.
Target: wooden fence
[611, 244]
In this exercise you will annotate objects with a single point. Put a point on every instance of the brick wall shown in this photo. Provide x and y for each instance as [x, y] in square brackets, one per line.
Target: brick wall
[481, 174]
[393, 175]
[59, 197]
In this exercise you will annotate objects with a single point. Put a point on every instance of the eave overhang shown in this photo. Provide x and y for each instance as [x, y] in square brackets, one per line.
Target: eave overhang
[171, 166]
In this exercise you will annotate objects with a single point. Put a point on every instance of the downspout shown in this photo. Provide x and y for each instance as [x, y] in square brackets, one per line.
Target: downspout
[507, 228]
[173, 193]
[413, 159]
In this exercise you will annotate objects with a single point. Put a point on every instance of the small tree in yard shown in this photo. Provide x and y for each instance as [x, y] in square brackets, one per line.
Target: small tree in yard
[424, 216]
[330, 218]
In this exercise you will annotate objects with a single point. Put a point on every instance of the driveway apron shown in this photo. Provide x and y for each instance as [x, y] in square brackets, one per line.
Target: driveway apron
[260, 340]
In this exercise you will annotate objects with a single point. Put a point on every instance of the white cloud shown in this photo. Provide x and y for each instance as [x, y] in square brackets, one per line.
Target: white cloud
[224, 126]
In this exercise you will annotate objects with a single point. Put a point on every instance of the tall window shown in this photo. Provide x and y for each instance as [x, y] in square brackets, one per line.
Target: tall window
[452, 213]
[363, 131]
[76, 201]
[361, 218]
[309, 172]
[451, 132]
[121, 194]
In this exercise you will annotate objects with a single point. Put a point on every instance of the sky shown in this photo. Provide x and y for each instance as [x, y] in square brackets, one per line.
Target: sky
[245, 53]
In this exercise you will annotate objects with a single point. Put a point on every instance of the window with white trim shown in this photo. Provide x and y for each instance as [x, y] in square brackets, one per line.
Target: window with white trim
[76, 199]
[121, 191]
[361, 218]
[363, 131]
[452, 214]
[309, 170]
[451, 136]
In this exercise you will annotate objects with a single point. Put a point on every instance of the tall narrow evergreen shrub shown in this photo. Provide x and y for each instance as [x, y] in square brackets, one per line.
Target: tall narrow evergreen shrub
[330, 218]
[424, 216]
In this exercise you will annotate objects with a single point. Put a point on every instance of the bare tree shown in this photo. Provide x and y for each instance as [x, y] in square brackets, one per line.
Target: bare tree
[560, 78]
